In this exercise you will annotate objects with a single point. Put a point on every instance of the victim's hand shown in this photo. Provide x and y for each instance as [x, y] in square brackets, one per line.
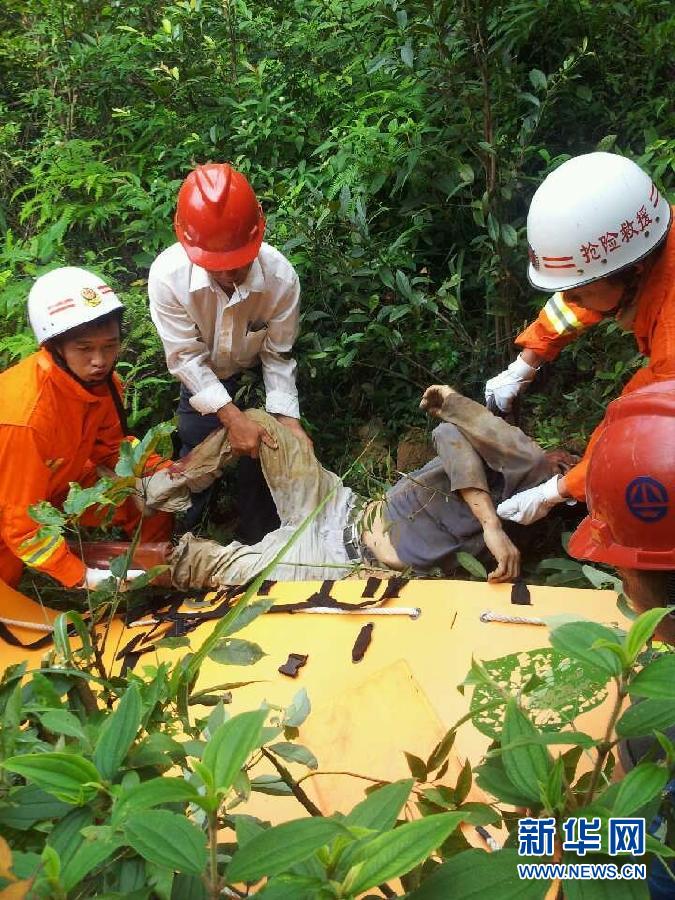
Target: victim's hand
[504, 551]
[245, 435]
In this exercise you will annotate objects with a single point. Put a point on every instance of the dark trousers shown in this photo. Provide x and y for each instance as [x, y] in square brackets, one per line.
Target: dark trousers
[255, 506]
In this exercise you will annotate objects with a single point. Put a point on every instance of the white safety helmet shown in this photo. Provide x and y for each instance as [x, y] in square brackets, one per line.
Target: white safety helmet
[591, 217]
[66, 298]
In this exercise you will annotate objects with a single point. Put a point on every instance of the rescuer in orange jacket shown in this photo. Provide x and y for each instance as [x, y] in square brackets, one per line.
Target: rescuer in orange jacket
[599, 235]
[61, 417]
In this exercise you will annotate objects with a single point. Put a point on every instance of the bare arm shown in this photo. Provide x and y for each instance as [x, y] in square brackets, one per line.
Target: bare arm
[496, 540]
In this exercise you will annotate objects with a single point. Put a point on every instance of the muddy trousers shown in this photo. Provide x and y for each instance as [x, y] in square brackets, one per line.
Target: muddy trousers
[255, 506]
[488, 441]
[298, 484]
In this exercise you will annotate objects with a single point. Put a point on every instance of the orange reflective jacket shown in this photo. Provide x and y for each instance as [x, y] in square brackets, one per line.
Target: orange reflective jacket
[51, 431]
[654, 329]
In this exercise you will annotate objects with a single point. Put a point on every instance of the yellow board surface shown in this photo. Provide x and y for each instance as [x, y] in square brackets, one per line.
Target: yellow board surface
[401, 697]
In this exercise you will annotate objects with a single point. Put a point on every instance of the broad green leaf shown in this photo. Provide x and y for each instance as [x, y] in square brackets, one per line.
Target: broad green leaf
[118, 734]
[642, 629]
[381, 808]
[60, 721]
[538, 80]
[477, 875]
[396, 852]
[154, 792]
[29, 805]
[80, 499]
[656, 680]
[646, 717]
[472, 565]
[526, 766]
[236, 652]
[509, 235]
[168, 840]
[297, 712]
[67, 776]
[45, 514]
[270, 784]
[62, 638]
[246, 829]
[250, 613]
[576, 639]
[295, 753]
[492, 778]
[417, 767]
[277, 849]
[638, 787]
[231, 745]
[66, 838]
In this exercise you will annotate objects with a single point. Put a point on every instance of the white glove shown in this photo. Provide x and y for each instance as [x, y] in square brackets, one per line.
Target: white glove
[505, 387]
[533, 504]
[93, 578]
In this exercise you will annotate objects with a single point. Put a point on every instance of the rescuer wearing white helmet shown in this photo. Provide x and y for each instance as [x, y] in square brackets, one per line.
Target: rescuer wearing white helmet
[61, 418]
[599, 237]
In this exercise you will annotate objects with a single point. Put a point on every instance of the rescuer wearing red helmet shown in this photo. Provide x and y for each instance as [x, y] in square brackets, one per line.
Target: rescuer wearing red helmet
[224, 302]
[600, 237]
[630, 491]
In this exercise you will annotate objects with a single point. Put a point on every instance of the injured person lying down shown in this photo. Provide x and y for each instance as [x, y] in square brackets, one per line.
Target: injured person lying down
[423, 521]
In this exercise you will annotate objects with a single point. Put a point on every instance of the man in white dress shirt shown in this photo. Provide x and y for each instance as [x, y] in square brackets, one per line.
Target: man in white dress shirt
[223, 302]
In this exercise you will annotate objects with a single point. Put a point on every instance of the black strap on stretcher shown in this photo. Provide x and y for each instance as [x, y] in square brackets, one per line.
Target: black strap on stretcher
[182, 623]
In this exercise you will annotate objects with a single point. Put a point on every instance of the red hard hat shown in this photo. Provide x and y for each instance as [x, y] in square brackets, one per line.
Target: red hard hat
[630, 485]
[218, 220]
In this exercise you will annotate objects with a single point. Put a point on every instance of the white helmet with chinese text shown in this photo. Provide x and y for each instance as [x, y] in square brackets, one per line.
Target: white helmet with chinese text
[66, 298]
[594, 215]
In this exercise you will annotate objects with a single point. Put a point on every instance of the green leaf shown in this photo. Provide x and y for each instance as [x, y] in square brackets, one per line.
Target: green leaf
[492, 778]
[66, 837]
[576, 639]
[231, 745]
[472, 565]
[168, 840]
[118, 734]
[381, 808]
[68, 776]
[396, 852]
[80, 499]
[642, 629]
[466, 173]
[538, 80]
[297, 712]
[417, 767]
[509, 235]
[440, 752]
[638, 787]
[295, 753]
[278, 849]
[45, 514]
[526, 766]
[60, 721]
[249, 614]
[646, 717]
[246, 829]
[154, 792]
[477, 875]
[576, 889]
[656, 680]
[62, 638]
[270, 784]
[236, 652]
[29, 805]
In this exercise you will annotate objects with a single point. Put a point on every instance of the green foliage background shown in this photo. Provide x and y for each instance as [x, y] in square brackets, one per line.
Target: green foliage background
[394, 145]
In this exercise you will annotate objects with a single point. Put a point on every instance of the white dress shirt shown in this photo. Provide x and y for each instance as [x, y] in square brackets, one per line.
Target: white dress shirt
[209, 336]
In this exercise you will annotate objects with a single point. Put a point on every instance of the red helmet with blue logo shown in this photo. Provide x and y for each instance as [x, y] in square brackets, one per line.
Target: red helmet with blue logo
[630, 485]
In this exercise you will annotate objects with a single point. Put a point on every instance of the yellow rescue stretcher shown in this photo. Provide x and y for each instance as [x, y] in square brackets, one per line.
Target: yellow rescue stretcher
[400, 697]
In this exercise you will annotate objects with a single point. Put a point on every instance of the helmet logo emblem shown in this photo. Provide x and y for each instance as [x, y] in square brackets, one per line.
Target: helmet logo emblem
[647, 499]
[534, 259]
[90, 297]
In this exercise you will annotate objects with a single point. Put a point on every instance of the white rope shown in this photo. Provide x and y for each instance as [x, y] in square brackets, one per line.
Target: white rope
[413, 612]
[29, 626]
[490, 616]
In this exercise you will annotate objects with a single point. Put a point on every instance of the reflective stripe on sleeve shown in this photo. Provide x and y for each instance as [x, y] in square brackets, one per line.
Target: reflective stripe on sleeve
[561, 316]
[39, 551]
